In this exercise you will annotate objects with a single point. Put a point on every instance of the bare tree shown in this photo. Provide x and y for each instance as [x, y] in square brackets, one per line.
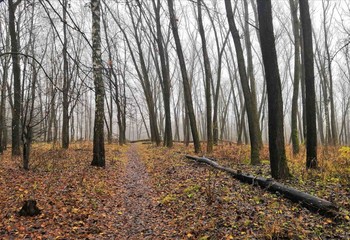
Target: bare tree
[143, 73]
[297, 69]
[98, 146]
[116, 86]
[16, 69]
[66, 80]
[250, 65]
[308, 56]
[208, 78]
[165, 76]
[251, 109]
[278, 160]
[5, 63]
[327, 11]
[185, 81]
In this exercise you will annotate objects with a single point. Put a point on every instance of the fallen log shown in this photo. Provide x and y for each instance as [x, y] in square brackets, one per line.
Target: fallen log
[313, 203]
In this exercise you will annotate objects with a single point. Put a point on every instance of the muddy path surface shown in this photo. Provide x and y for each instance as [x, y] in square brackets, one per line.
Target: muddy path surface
[142, 219]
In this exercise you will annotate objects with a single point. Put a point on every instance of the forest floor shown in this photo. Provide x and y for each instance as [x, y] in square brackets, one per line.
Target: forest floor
[148, 192]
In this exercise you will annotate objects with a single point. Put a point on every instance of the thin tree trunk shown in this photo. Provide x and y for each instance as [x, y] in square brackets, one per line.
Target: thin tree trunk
[2, 107]
[66, 81]
[224, 117]
[111, 87]
[165, 77]
[252, 113]
[186, 83]
[27, 133]
[3, 85]
[321, 67]
[334, 132]
[216, 91]
[295, 23]
[250, 66]
[145, 81]
[303, 92]
[208, 79]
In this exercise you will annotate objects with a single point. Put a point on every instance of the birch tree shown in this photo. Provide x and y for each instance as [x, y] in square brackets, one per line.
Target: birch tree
[98, 142]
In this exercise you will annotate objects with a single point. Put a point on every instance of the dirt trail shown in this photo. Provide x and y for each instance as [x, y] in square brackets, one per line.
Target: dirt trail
[141, 218]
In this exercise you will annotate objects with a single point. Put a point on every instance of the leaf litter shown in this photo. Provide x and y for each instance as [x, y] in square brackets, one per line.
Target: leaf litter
[149, 192]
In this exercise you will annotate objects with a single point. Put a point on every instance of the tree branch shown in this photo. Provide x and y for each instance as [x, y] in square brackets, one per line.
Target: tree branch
[37, 61]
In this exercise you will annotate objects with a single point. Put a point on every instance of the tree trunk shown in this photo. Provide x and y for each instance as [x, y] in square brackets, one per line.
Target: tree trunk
[98, 142]
[251, 109]
[66, 84]
[295, 23]
[224, 117]
[110, 82]
[16, 69]
[320, 121]
[3, 84]
[28, 115]
[165, 77]
[311, 131]
[208, 79]
[278, 160]
[334, 132]
[145, 79]
[121, 105]
[250, 66]
[52, 117]
[216, 91]
[303, 92]
[186, 83]
[321, 67]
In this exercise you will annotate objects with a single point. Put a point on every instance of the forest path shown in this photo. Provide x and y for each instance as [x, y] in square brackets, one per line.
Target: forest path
[142, 220]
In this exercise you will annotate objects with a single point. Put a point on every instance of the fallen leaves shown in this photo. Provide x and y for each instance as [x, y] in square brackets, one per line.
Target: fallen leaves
[210, 204]
[73, 196]
[192, 201]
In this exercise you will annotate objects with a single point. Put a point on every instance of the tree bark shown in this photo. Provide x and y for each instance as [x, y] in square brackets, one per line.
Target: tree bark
[324, 98]
[185, 81]
[3, 84]
[250, 66]
[216, 88]
[294, 122]
[165, 77]
[66, 82]
[16, 69]
[251, 109]
[112, 85]
[334, 131]
[98, 142]
[311, 131]
[208, 79]
[144, 78]
[278, 160]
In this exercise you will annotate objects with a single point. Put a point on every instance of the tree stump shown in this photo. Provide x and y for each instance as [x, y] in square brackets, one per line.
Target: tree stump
[29, 209]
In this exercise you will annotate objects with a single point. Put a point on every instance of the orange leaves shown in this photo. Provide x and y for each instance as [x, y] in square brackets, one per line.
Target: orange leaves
[71, 194]
[236, 211]
[192, 201]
